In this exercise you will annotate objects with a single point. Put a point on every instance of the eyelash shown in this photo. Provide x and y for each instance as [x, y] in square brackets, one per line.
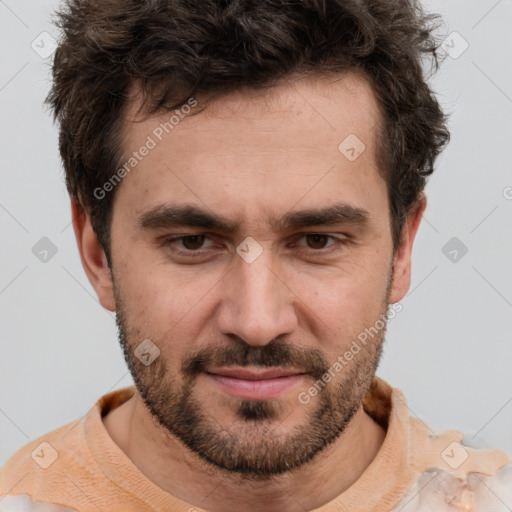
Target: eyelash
[172, 241]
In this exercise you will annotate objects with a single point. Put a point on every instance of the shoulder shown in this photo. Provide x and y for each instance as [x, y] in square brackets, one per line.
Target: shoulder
[42, 473]
[39, 454]
[63, 448]
[32, 478]
[455, 476]
[440, 491]
[447, 473]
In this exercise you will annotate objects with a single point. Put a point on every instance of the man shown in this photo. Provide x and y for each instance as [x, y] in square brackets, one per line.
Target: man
[246, 184]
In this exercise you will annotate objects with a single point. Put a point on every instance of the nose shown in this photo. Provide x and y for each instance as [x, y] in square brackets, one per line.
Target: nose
[257, 302]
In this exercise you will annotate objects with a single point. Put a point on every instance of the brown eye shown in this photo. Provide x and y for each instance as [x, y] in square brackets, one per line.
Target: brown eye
[193, 242]
[317, 241]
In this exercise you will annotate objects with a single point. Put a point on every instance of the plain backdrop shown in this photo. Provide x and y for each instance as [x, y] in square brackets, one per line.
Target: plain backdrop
[449, 349]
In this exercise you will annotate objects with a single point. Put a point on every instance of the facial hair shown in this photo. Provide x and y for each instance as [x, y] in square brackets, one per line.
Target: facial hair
[255, 447]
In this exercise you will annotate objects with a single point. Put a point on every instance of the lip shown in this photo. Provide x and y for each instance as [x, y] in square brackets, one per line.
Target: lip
[240, 372]
[262, 384]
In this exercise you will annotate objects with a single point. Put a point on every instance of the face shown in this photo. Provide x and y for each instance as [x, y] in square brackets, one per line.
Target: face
[245, 237]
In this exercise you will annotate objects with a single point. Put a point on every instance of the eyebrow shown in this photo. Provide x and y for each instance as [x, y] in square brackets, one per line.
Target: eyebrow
[169, 216]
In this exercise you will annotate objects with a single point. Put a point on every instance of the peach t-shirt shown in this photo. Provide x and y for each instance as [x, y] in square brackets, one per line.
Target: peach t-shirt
[418, 468]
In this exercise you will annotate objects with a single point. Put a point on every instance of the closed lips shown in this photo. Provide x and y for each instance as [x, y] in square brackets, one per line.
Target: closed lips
[245, 374]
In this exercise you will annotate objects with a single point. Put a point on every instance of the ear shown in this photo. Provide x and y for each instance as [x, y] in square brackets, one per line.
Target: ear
[93, 257]
[402, 258]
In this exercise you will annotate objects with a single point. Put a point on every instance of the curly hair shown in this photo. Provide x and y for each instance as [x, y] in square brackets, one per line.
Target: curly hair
[177, 49]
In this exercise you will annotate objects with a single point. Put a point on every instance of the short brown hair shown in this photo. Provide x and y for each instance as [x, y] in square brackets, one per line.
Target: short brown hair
[176, 49]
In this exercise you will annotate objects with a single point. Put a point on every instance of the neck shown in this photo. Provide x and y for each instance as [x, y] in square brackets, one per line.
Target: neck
[169, 464]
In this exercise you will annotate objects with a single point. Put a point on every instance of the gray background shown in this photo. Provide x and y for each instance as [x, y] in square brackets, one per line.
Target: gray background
[449, 349]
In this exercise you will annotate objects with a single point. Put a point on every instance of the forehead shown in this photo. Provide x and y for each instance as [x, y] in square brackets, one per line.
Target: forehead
[336, 100]
[259, 145]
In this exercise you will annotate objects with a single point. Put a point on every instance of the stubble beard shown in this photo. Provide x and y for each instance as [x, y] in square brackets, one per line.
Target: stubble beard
[254, 446]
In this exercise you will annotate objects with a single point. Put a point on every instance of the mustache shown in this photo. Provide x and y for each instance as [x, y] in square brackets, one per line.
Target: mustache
[274, 353]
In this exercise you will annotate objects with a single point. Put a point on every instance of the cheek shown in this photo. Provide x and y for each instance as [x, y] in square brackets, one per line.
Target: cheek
[164, 302]
[342, 304]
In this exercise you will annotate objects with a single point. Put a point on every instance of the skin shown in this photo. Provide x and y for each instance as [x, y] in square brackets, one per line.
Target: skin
[252, 157]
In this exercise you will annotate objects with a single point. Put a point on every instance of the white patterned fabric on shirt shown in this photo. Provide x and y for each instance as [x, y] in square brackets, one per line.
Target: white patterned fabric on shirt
[23, 503]
[437, 490]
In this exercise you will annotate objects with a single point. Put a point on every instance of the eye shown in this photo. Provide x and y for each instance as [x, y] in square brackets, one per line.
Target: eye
[317, 240]
[187, 245]
[192, 242]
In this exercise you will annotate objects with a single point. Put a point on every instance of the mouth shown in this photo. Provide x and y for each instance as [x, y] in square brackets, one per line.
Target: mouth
[260, 383]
